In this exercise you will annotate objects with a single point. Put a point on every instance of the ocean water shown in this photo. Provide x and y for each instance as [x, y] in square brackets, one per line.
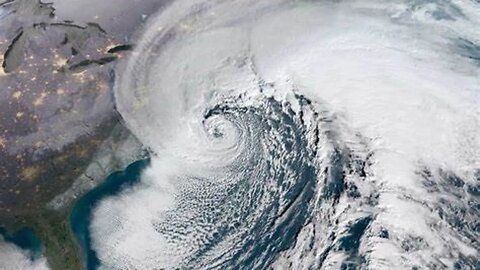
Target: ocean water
[80, 217]
[21, 250]
[297, 135]
[25, 239]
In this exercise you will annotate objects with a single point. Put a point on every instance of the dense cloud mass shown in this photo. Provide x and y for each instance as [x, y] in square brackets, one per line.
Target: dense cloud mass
[301, 135]
[12, 257]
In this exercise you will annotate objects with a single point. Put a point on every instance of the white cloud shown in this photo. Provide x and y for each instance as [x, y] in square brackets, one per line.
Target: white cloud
[14, 258]
[391, 72]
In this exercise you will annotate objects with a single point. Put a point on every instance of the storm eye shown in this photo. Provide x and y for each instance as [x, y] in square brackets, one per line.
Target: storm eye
[218, 127]
[217, 132]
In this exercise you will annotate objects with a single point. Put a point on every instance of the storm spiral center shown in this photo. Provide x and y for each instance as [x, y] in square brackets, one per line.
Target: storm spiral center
[299, 135]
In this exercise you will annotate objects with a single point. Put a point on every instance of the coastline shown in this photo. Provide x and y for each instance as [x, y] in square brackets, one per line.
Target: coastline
[81, 214]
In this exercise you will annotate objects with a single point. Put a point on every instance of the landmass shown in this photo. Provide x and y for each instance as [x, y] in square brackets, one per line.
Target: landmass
[60, 135]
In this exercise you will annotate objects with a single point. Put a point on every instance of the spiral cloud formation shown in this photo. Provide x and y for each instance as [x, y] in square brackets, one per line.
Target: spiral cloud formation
[301, 135]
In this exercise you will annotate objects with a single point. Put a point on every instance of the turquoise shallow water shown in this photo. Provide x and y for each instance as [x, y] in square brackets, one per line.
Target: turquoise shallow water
[25, 239]
[82, 212]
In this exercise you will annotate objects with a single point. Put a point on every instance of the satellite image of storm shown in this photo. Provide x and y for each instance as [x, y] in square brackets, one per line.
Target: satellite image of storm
[239, 134]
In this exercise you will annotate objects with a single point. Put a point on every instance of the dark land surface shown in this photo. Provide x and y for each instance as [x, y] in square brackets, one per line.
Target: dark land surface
[57, 108]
